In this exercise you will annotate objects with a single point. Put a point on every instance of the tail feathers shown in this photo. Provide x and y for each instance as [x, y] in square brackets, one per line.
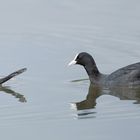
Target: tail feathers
[3, 80]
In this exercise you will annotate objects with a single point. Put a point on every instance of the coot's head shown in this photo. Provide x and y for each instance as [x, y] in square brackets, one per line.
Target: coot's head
[83, 59]
[87, 61]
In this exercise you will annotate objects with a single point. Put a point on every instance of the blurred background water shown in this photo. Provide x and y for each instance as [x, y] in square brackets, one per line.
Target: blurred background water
[44, 36]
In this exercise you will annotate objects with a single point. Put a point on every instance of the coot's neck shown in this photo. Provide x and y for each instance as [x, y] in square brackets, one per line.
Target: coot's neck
[93, 73]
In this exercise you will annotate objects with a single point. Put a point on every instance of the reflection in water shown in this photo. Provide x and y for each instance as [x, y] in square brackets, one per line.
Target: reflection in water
[7, 90]
[90, 101]
[126, 93]
[85, 107]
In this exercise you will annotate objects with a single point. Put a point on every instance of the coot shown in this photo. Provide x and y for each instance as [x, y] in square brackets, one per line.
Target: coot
[126, 76]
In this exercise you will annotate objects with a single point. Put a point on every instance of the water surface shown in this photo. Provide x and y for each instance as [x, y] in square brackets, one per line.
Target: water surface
[44, 36]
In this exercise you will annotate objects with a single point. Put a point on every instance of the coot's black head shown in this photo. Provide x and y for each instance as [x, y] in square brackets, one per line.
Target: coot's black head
[83, 59]
[89, 64]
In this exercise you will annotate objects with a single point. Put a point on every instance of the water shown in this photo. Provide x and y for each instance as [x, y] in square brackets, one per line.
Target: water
[44, 36]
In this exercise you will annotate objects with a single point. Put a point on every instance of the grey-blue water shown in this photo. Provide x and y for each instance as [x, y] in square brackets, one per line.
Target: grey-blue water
[44, 36]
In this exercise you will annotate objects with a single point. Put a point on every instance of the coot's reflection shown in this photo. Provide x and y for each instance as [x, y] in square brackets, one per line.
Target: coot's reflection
[123, 93]
[90, 102]
[17, 95]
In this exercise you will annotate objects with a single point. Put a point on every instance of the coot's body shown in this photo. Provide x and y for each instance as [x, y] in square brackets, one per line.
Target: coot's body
[126, 76]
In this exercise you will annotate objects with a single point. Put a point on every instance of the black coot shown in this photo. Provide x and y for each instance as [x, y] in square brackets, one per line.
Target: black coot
[126, 76]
